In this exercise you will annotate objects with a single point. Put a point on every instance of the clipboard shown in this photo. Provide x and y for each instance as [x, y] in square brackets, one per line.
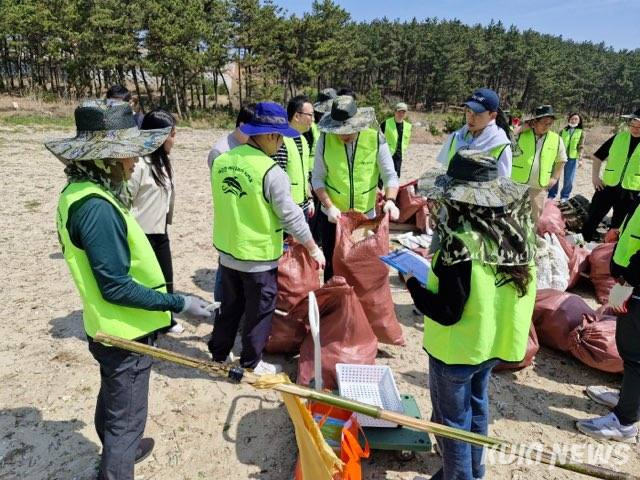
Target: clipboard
[408, 262]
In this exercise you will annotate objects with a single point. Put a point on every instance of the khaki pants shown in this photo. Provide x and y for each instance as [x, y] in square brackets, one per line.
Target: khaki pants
[538, 197]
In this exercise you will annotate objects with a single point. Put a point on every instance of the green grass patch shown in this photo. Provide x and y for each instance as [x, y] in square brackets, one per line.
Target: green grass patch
[36, 120]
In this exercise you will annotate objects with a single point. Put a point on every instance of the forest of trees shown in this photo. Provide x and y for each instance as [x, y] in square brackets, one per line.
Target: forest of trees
[173, 50]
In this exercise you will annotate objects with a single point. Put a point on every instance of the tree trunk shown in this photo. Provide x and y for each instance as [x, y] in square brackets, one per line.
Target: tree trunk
[204, 93]
[230, 106]
[135, 82]
[146, 85]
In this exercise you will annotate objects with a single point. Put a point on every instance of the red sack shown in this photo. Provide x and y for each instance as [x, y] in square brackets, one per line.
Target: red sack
[345, 333]
[555, 315]
[578, 260]
[409, 203]
[594, 343]
[358, 263]
[297, 276]
[532, 348]
[422, 218]
[600, 273]
[287, 334]
[551, 220]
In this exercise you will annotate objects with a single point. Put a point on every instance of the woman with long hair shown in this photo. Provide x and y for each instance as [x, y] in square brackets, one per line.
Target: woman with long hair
[478, 299]
[152, 194]
[573, 138]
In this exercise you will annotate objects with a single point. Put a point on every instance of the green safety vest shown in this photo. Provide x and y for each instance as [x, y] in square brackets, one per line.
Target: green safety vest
[297, 168]
[629, 242]
[571, 141]
[99, 314]
[244, 224]
[495, 321]
[523, 163]
[391, 134]
[495, 152]
[352, 186]
[621, 166]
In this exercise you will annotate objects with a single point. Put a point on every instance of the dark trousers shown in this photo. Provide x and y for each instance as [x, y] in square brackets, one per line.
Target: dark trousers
[314, 222]
[628, 343]
[251, 294]
[121, 409]
[328, 233]
[162, 248]
[397, 163]
[622, 201]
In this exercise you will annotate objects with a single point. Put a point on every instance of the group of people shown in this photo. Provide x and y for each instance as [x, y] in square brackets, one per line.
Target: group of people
[291, 173]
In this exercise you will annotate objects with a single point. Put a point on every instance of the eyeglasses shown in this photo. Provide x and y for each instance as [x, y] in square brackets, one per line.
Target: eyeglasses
[305, 113]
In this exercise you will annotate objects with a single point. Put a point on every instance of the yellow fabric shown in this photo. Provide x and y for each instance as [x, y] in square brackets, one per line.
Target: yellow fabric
[317, 459]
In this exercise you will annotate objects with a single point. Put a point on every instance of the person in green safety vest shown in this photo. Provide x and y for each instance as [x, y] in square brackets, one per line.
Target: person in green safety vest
[294, 157]
[397, 131]
[115, 271]
[573, 138]
[252, 207]
[541, 158]
[619, 186]
[621, 423]
[350, 156]
[478, 299]
[485, 129]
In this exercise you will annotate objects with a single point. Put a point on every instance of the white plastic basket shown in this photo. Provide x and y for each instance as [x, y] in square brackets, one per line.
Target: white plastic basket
[372, 384]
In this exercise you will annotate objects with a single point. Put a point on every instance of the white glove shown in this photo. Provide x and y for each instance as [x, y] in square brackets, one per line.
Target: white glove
[311, 210]
[195, 306]
[318, 256]
[333, 214]
[391, 209]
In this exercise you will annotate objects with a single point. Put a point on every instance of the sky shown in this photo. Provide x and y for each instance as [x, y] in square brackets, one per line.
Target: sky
[614, 22]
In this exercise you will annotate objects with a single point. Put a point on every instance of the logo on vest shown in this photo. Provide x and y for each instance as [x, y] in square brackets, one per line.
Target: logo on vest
[232, 185]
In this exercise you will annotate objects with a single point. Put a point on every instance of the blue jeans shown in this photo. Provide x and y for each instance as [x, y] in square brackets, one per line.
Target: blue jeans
[567, 181]
[459, 396]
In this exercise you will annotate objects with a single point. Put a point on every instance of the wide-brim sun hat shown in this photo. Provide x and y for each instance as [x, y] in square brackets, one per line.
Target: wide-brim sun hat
[324, 100]
[541, 112]
[632, 116]
[106, 131]
[472, 178]
[269, 117]
[346, 118]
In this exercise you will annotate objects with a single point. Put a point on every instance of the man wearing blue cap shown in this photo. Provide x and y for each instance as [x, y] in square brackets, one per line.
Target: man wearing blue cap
[481, 132]
[252, 206]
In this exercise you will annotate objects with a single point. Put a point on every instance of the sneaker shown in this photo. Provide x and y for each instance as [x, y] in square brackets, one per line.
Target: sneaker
[145, 447]
[604, 396]
[230, 358]
[176, 328]
[265, 368]
[608, 428]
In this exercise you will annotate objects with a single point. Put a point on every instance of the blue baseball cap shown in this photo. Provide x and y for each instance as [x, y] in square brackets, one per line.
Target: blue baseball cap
[269, 117]
[482, 100]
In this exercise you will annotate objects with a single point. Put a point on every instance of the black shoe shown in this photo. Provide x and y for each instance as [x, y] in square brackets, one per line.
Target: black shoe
[145, 447]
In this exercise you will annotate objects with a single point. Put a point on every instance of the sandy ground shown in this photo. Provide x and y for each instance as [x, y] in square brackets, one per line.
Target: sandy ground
[206, 428]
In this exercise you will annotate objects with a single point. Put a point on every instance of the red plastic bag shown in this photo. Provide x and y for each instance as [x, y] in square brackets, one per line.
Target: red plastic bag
[345, 333]
[409, 203]
[340, 426]
[297, 276]
[551, 220]
[358, 263]
[600, 273]
[578, 260]
[594, 343]
[287, 334]
[555, 315]
[532, 348]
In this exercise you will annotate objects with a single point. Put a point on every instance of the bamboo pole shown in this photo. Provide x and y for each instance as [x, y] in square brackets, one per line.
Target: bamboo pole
[237, 374]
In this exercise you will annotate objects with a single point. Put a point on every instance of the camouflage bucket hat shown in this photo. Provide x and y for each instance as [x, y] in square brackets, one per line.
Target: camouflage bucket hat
[324, 100]
[106, 131]
[472, 178]
[346, 118]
